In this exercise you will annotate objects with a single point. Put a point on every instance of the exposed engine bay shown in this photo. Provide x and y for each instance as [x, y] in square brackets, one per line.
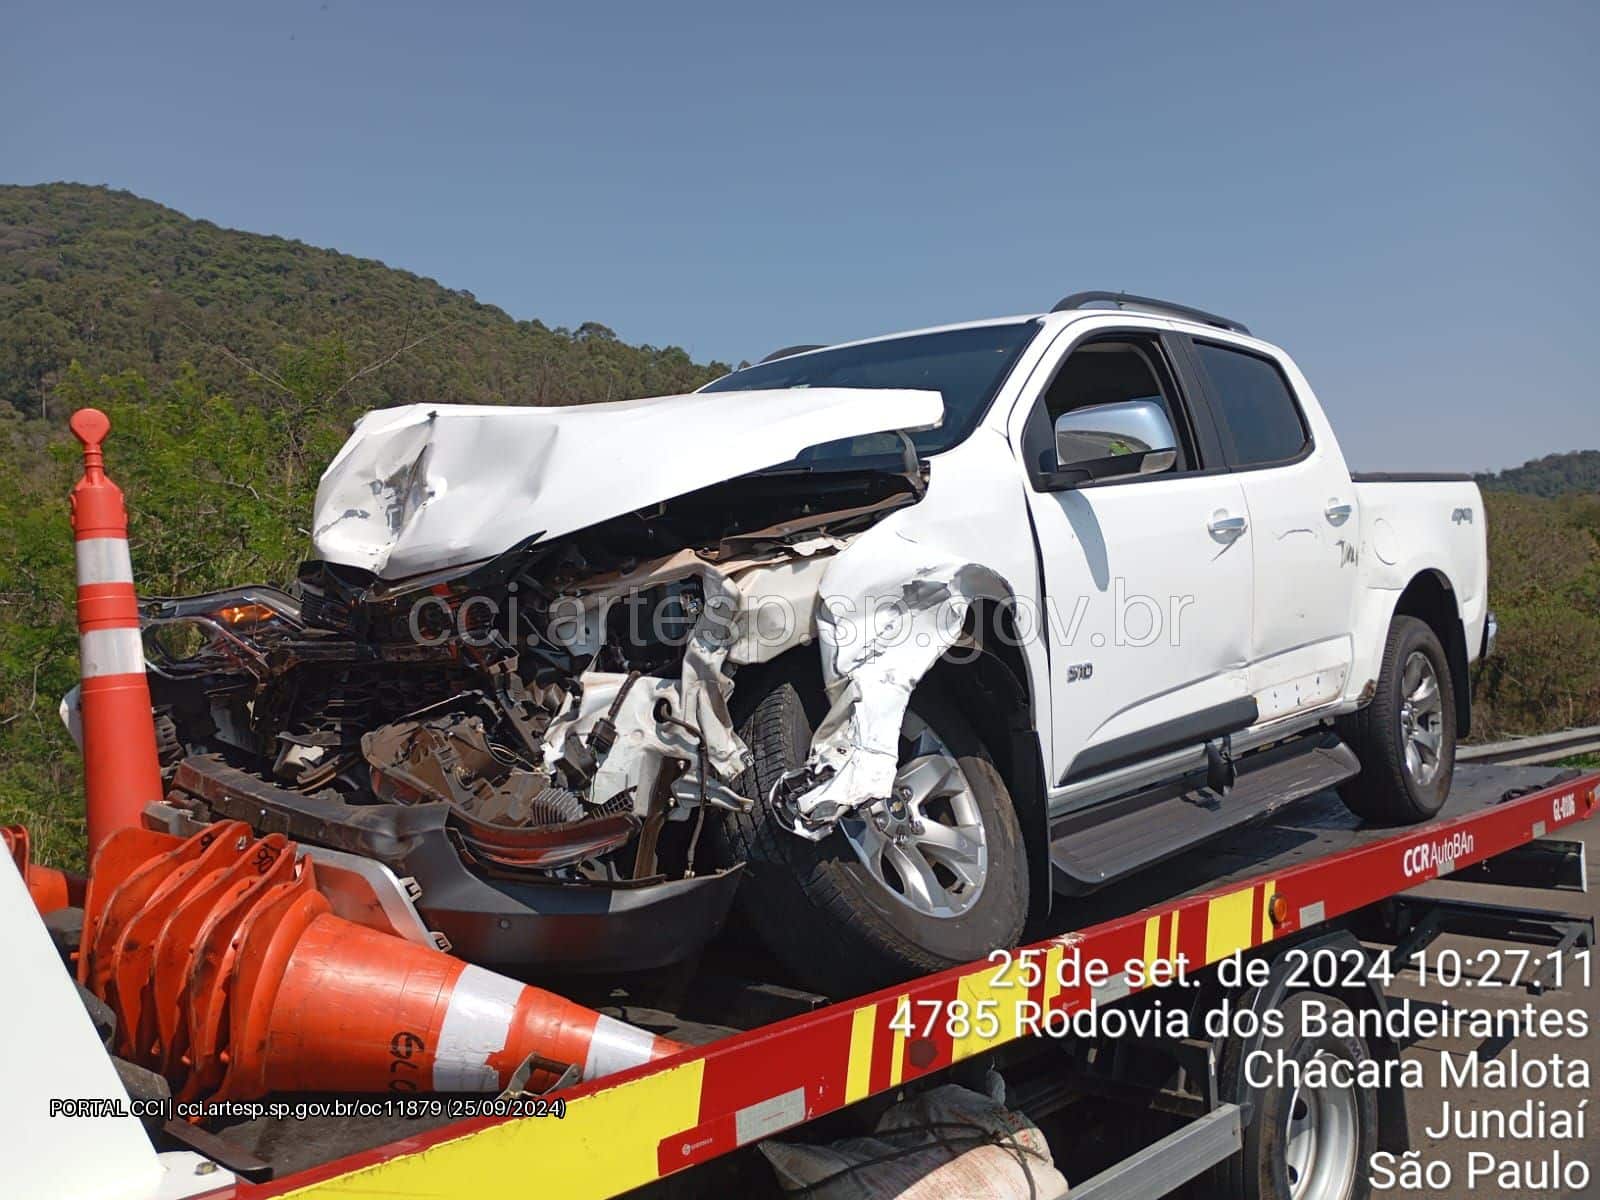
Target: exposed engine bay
[534, 744]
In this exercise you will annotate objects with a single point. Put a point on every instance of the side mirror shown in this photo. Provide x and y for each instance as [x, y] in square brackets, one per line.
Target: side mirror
[1103, 441]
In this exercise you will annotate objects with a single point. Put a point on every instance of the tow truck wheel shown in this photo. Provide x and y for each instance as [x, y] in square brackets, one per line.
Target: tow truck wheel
[928, 878]
[1301, 1142]
[1405, 738]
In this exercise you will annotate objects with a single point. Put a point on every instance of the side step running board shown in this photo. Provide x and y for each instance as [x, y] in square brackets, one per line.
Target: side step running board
[1097, 845]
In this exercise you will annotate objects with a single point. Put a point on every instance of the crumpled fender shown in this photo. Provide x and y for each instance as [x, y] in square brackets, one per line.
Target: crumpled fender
[889, 607]
[884, 607]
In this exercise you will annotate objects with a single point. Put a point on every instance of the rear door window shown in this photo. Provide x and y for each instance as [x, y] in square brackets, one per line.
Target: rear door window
[1254, 405]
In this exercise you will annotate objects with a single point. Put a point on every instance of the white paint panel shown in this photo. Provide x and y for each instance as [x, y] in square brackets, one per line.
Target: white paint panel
[50, 1051]
[1312, 690]
[1424, 537]
[1147, 611]
[1307, 568]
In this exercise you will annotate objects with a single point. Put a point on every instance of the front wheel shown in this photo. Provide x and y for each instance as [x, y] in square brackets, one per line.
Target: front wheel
[930, 877]
[1406, 737]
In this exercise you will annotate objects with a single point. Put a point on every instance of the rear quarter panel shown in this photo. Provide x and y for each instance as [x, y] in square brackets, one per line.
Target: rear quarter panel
[1408, 528]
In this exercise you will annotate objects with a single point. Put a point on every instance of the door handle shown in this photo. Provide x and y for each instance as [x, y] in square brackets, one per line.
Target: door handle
[1223, 526]
[1337, 513]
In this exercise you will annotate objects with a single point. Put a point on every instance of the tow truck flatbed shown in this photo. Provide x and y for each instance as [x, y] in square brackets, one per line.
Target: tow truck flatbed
[1310, 868]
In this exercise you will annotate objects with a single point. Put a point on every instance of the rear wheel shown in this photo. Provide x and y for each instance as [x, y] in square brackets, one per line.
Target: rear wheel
[1405, 738]
[1312, 1130]
[927, 878]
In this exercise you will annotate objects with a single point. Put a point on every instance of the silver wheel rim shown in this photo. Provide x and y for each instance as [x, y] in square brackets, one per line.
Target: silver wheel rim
[1321, 1141]
[1421, 718]
[925, 845]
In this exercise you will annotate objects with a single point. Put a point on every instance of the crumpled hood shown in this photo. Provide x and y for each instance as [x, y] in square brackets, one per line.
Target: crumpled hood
[431, 486]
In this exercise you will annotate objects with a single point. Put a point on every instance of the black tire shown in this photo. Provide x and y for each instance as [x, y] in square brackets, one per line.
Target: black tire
[1387, 792]
[823, 915]
[1263, 1169]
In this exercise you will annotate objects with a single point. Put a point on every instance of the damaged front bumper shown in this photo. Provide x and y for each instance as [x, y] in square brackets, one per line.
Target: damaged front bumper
[510, 924]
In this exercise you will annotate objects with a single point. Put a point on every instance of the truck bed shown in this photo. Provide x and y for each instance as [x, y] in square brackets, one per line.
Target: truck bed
[736, 998]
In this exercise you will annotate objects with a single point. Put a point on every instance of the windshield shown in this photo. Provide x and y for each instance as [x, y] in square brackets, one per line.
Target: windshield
[965, 366]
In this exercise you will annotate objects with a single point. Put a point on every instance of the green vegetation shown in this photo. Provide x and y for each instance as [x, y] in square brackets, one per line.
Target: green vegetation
[1552, 475]
[1544, 585]
[231, 365]
[116, 283]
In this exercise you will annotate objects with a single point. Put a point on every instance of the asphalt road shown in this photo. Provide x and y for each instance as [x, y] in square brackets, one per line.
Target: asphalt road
[1426, 1105]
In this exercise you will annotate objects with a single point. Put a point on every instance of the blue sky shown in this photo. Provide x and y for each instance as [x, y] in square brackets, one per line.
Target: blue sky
[1401, 195]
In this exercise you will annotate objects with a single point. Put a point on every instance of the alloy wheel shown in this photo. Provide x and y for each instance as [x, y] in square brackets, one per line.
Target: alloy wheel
[925, 844]
[1421, 718]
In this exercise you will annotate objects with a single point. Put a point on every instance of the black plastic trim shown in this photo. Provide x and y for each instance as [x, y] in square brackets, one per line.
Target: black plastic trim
[1203, 423]
[1080, 300]
[1410, 477]
[791, 351]
[1085, 485]
[1112, 839]
[1191, 730]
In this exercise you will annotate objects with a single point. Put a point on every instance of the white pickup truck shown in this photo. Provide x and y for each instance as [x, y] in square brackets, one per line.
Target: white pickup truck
[933, 625]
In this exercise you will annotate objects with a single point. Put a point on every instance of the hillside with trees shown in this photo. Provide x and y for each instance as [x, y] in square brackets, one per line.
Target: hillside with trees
[232, 363]
[1544, 586]
[116, 283]
[1553, 475]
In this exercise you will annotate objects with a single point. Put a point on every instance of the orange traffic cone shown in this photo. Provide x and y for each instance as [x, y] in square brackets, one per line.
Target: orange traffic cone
[120, 768]
[49, 888]
[229, 973]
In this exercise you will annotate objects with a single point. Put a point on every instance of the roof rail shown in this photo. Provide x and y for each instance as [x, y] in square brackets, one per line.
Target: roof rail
[790, 352]
[1085, 299]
